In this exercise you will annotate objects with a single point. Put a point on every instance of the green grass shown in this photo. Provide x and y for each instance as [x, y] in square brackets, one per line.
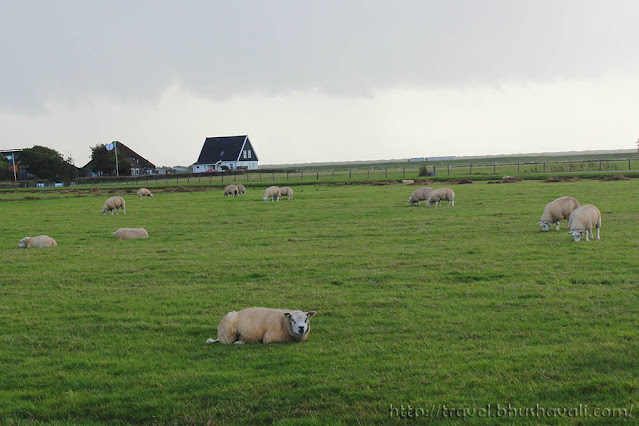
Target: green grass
[464, 306]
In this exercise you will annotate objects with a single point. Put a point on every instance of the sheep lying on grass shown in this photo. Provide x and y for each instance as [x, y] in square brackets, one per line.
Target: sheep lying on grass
[286, 191]
[408, 181]
[263, 325]
[241, 189]
[419, 195]
[143, 192]
[272, 193]
[556, 210]
[114, 203]
[582, 220]
[131, 233]
[437, 196]
[231, 190]
[41, 241]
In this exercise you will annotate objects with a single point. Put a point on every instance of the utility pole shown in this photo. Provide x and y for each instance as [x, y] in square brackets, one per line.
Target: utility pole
[115, 146]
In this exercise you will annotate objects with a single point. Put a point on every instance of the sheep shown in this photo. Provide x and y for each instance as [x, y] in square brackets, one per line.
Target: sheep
[231, 190]
[241, 189]
[561, 208]
[41, 241]
[440, 194]
[263, 325]
[131, 233]
[114, 203]
[582, 220]
[408, 181]
[143, 192]
[272, 193]
[287, 190]
[419, 195]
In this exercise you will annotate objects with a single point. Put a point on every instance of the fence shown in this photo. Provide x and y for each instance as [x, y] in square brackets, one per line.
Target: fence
[368, 173]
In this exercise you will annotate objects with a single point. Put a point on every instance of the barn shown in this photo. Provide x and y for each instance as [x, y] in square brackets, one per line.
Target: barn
[226, 153]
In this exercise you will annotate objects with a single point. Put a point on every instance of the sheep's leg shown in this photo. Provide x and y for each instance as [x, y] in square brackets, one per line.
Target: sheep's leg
[111, 212]
[557, 229]
[598, 237]
[212, 341]
[238, 342]
[452, 203]
[124, 210]
[587, 235]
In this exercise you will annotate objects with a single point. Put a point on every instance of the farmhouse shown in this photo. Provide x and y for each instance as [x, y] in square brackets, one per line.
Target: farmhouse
[139, 164]
[226, 153]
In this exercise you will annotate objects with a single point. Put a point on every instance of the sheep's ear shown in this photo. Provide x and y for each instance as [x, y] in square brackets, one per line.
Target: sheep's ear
[311, 314]
[287, 315]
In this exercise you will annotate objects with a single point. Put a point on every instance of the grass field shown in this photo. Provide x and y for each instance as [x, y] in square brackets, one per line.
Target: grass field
[460, 307]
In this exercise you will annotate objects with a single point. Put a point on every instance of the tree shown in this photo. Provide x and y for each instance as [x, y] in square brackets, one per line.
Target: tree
[47, 163]
[5, 172]
[104, 161]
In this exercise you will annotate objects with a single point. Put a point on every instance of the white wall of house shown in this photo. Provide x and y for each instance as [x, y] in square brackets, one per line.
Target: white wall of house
[231, 165]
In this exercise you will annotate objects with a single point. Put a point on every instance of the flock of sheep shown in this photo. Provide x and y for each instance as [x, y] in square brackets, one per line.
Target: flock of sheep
[265, 325]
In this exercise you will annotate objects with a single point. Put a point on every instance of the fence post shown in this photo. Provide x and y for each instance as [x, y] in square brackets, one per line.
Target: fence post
[517, 166]
[434, 170]
[273, 176]
[260, 177]
[470, 165]
[386, 170]
[234, 178]
[302, 177]
[350, 174]
[368, 174]
[334, 172]
[403, 172]
[599, 165]
[628, 164]
[448, 169]
[317, 175]
[494, 167]
[544, 167]
[222, 178]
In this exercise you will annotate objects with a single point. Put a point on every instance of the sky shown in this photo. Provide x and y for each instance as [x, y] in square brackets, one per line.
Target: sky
[320, 81]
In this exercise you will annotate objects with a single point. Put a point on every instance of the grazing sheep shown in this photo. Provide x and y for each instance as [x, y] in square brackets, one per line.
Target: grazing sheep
[41, 241]
[272, 193]
[440, 194]
[241, 189]
[408, 181]
[231, 190]
[143, 192]
[286, 191]
[114, 203]
[582, 220]
[131, 233]
[556, 210]
[263, 325]
[419, 195]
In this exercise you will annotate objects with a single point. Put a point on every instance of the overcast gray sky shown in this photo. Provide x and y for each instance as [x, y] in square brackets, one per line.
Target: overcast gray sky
[320, 81]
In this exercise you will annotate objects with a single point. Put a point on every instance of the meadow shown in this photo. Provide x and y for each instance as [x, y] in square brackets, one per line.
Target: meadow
[469, 308]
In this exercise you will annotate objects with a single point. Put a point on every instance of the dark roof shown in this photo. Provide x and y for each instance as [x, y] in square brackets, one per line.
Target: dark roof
[136, 159]
[224, 148]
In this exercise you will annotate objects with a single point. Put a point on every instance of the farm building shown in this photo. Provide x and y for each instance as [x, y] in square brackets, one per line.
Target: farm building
[226, 153]
[139, 164]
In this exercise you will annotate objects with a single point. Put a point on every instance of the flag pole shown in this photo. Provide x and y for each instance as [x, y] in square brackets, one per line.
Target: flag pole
[13, 157]
[117, 171]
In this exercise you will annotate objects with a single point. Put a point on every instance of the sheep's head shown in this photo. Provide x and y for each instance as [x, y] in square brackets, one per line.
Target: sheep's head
[23, 242]
[545, 225]
[297, 322]
[576, 235]
[265, 198]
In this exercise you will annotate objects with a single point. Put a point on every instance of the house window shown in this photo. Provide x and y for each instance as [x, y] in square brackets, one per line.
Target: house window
[244, 152]
[249, 153]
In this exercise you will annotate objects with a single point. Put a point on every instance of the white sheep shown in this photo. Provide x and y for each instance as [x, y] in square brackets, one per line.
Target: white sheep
[263, 325]
[131, 233]
[419, 195]
[286, 191]
[272, 193]
[41, 241]
[582, 221]
[440, 194]
[231, 190]
[114, 203]
[241, 189]
[556, 210]
[408, 181]
[144, 192]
